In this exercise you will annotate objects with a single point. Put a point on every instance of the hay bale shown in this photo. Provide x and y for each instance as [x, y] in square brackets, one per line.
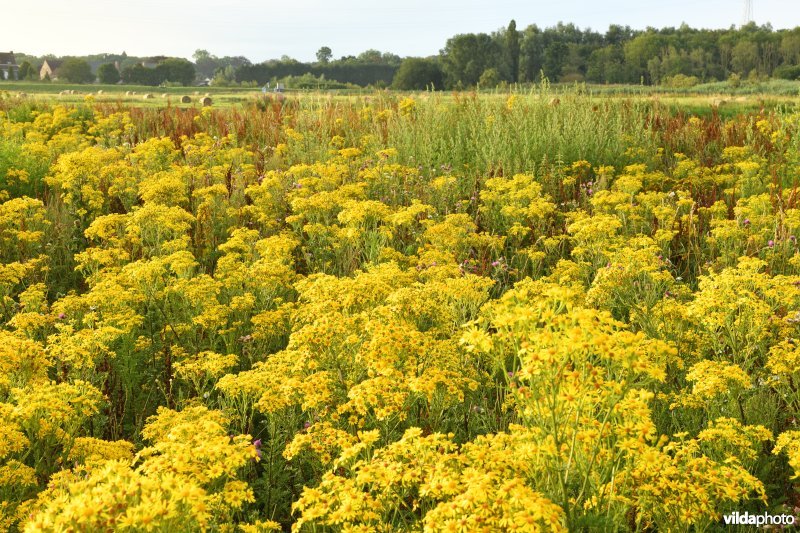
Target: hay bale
[147, 96]
[62, 93]
[197, 93]
[100, 91]
[186, 99]
[554, 102]
[206, 101]
[164, 95]
[717, 102]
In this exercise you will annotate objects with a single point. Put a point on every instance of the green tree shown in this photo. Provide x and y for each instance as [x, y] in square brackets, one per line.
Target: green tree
[790, 47]
[205, 63]
[139, 75]
[555, 56]
[416, 74]
[787, 72]
[489, 79]
[744, 57]
[531, 54]
[370, 56]
[616, 34]
[224, 77]
[26, 71]
[74, 70]
[513, 50]
[176, 70]
[640, 50]
[108, 74]
[324, 54]
[607, 65]
[466, 56]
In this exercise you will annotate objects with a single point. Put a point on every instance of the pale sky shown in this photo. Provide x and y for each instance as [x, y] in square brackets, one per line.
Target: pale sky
[269, 29]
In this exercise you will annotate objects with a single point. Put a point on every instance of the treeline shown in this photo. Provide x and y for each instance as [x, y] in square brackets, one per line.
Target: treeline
[681, 56]
[171, 70]
[358, 74]
[110, 69]
[371, 67]
[565, 53]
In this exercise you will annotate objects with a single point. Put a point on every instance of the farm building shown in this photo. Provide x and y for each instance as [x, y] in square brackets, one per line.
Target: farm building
[49, 68]
[8, 66]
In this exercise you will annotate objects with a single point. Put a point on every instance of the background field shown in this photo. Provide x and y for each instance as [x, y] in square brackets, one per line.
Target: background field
[697, 100]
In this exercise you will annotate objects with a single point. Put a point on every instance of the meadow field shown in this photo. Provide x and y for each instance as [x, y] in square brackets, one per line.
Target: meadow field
[550, 310]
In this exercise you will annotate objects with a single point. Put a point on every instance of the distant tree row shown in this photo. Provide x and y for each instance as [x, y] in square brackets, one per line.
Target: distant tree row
[620, 55]
[371, 67]
[563, 53]
[174, 70]
[210, 66]
[81, 70]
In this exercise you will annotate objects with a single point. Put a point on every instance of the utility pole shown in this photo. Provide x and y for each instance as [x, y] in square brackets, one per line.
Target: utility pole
[747, 17]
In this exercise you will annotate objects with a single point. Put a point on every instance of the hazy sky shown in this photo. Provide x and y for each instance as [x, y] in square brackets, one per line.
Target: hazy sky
[270, 29]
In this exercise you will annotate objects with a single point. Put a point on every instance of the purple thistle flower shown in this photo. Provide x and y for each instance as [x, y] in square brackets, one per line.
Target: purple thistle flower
[746, 222]
[61, 316]
[771, 243]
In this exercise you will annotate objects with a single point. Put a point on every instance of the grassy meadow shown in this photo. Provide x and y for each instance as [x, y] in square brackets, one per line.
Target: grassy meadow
[558, 309]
